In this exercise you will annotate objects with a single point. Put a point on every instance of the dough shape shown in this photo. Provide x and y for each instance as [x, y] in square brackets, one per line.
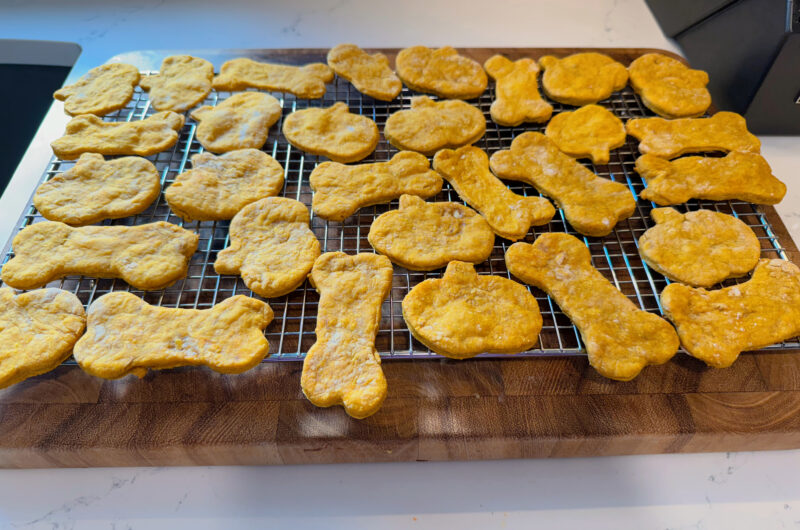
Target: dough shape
[592, 205]
[582, 78]
[95, 189]
[716, 326]
[700, 248]
[307, 82]
[432, 125]
[422, 236]
[340, 191]
[125, 335]
[589, 132]
[517, 98]
[272, 247]
[736, 176]
[90, 134]
[182, 82]
[149, 256]
[242, 121]
[217, 187]
[369, 74]
[343, 367]
[724, 131]
[441, 71]
[37, 330]
[668, 87]
[101, 90]
[464, 314]
[334, 132]
[620, 338]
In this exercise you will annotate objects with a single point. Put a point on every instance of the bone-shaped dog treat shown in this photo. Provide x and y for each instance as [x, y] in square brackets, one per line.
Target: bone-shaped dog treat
[591, 204]
[589, 132]
[724, 131]
[716, 326]
[149, 256]
[517, 92]
[582, 78]
[101, 90]
[334, 132]
[271, 246]
[90, 134]
[125, 335]
[441, 71]
[370, 74]
[343, 367]
[242, 121]
[182, 82]
[37, 330]
[668, 87]
[340, 190]
[303, 81]
[620, 338]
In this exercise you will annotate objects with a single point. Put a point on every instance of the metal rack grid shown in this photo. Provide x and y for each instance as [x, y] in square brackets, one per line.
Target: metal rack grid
[291, 333]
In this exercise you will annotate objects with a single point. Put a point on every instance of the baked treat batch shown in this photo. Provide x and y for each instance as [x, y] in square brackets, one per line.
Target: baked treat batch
[460, 314]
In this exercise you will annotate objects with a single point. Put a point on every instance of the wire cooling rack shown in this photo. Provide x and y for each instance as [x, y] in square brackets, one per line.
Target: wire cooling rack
[291, 333]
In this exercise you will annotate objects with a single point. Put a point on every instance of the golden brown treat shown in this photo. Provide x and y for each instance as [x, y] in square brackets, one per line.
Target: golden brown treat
[343, 367]
[668, 87]
[510, 215]
[306, 82]
[441, 71]
[370, 74]
[149, 256]
[699, 248]
[217, 187]
[432, 125]
[724, 131]
[37, 330]
[592, 205]
[464, 314]
[340, 191]
[242, 121]
[272, 247]
[95, 189]
[90, 134]
[101, 90]
[182, 82]
[620, 338]
[517, 97]
[716, 326]
[582, 78]
[125, 335]
[742, 176]
[589, 132]
[423, 236]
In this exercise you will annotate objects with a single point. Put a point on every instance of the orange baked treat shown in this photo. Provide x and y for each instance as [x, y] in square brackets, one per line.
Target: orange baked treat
[182, 82]
[716, 326]
[441, 71]
[306, 82]
[668, 87]
[101, 90]
[370, 74]
[582, 78]
[620, 338]
[240, 122]
[517, 98]
[589, 132]
[592, 205]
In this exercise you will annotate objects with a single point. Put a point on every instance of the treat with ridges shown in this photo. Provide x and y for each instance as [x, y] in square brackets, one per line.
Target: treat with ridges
[306, 82]
[101, 90]
[370, 74]
[242, 121]
[582, 78]
[334, 132]
[441, 71]
[182, 82]
[589, 132]
[668, 87]
[517, 98]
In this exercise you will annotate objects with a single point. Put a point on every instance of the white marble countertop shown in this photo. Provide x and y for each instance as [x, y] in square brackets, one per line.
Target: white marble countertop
[735, 490]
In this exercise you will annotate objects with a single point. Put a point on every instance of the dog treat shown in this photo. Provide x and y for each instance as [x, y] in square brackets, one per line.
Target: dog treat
[343, 367]
[441, 71]
[668, 87]
[101, 90]
[736, 176]
[582, 78]
[242, 121]
[149, 256]
[700, 248]
[125, 335]
[182, 82]
[724, 131]
[90, 134]
[620, 338]
[517, 92]
[589, 132]
[464, 314]
[307, 82]
[370, 74]
[592, 205]
[432, 125]
[217, 187]
[272, 247]
[716, 326]
[95, 189]
[340, 191]
[37, 330]
[423, 236]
